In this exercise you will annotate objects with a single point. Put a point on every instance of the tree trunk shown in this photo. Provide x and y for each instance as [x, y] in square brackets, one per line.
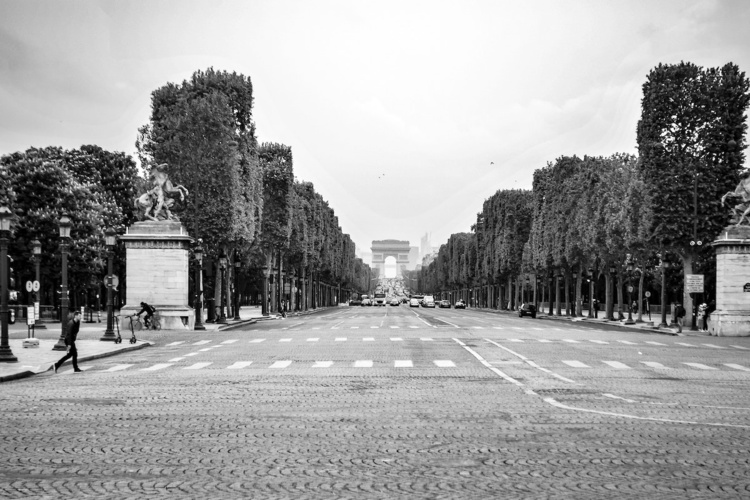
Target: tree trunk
[608, 282]
[567, 295]
[620, 297]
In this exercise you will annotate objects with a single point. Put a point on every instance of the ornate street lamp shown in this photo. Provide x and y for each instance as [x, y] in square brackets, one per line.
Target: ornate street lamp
[64, 226]
[223, 268]
[198, 252]
[237, 266]
[110, 239]
[6, 355]
[591, 292]
[36, 256]
[629, 267]
[664, 265]
[575, 294]
[557, 293]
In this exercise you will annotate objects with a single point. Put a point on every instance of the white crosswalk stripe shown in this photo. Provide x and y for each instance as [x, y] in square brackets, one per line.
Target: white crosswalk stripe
[394, 326]
[322, 364]
[396, 339]
[571, 341]
[700, 366]
[617, 364]
[256, 341]
[740, 347]
[375, 327]
[155, 367]
[115, 368]
[444, 363]
[368, 339]
[515, 340]
[654, 343]
[176, 343]
[197, 366]
[627, 342]
[176, 360]
[426, 339]
[363, 363]
[232, 341]
[545, 341]
[654, 364]
[201, 342]
[714, 346]
[281, 364]
[403, 363]
[285, 340]
[413, 326]
[575, 364]
[239, 364]
[313, 339]
[737, 367]
[340, 339]
[599, 342]
[684, 344]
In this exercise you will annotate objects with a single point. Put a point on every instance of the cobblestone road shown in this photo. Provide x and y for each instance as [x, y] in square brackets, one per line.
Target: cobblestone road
[388, 403]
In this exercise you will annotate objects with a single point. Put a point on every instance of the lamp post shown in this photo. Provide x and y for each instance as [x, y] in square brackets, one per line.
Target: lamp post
[198, 252]
[223, 267]
[64, 226]
[574, 312]
[6, 355]
[629, 267]
[558, 283]
[611, 294]
[591, 292]
[110, 239]
[237, 266]
[663, 264]
[36, 253]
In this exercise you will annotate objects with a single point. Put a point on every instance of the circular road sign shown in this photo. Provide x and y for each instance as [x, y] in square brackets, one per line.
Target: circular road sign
[647, 294]
[630, 288]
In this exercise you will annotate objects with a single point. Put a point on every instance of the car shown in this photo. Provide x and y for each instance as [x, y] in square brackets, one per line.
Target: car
[527, 310]
[355, 302]
[460, 304]
[413, 302]
[428, 301]
[445, 304]
[395, 302]
[366, 302]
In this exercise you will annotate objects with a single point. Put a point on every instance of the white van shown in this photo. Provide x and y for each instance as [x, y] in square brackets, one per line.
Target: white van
[428, 301]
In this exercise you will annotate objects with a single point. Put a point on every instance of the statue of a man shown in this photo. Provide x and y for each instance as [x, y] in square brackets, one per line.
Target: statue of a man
[157, 201]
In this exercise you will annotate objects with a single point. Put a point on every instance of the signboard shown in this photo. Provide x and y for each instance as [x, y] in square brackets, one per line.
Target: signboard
[746, 288]
[30, 316]
[29, 286]
[287, 287]
[694, 283]
[630, 288]
[111, 281]
[647, 294]
[36, 286]
[36, 310]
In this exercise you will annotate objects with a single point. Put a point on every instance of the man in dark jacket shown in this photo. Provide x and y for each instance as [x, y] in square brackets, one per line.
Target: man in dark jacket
[149, 310]
[70, 341]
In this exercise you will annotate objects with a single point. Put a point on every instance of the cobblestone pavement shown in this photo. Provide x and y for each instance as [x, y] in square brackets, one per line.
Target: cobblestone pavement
[388, 403]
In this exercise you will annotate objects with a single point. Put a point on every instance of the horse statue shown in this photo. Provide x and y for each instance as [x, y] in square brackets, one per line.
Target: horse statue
[742, 192]
[156, 202]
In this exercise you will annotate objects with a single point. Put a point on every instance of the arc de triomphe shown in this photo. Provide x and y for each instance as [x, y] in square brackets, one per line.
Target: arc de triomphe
[382, 249]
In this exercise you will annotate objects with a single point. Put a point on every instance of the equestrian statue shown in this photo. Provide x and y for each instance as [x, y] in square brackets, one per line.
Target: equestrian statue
[156, 202]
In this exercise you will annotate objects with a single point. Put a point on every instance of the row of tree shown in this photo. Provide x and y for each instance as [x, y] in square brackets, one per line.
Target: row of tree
[244, 201]
[599, 214]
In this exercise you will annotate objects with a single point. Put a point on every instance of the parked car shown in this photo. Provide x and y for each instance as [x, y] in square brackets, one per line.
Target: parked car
[460, 304]
[428, 301]
[355, 302]
[395, 302]
[527, 310]
[366, 302]
[445, 304]
[414, 302]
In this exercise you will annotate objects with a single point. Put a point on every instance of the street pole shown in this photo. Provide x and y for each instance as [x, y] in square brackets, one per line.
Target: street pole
[64, 227]
[6, 355]
[37, 256]
[222, 267]
[237, 264]
[198, 252]
[110, 237]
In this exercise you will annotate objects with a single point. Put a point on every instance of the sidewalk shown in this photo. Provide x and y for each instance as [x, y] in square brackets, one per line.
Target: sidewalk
[36, 360]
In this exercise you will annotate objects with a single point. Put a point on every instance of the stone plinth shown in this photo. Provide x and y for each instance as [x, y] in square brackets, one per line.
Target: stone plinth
[157, 261]
[732, 315]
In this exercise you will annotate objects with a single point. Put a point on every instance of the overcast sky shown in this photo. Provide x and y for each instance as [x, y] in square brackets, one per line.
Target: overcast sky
[405, 115]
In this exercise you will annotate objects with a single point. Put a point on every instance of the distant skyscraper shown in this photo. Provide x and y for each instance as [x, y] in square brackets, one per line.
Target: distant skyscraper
[425, 246]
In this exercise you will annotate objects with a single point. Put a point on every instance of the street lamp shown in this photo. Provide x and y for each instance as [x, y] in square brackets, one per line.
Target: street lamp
[36, 255]
[664, 265]
[575, 294]
[64, 226]
[198, 253]
[223, 267]
[6, 355]
[110, 239]
[629, 267]
[611, 294]
[237, 266]
[591, 292]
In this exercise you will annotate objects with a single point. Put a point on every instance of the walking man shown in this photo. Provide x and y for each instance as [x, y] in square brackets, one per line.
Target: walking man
[679, 312]
[70, 342]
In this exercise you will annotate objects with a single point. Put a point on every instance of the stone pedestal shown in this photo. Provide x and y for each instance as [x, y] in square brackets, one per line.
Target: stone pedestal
[157, 262]
[732, 315]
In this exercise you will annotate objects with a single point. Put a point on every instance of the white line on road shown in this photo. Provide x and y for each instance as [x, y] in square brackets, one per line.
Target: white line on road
[156, 367]
[426, 339]
[281, 364]
[403, 363]
[737, 367]
[368, 339]
[117, 368]
[340, 339]
[239, 364]
[313, 339]
[176, 343]
[571, 341]
[599, 342]
[684, 344]
[396, 339]
[654, 364]
[197, 366]
[617, 364]
[739, 347]
[627, 342]
[444, 363]
[232, 341]
[714, 346]
[256, 341]
[485, 363]
[175, 360]
[285, 340]
[654, 343]
[322, 364]
[201, 342]
[531, 363]
[363, 363]
[575, 364]
[700, 366]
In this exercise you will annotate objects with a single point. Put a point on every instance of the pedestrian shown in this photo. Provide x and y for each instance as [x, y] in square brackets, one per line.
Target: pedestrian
[70, 343]
[679, 313]
[596, 308]
[702, 314]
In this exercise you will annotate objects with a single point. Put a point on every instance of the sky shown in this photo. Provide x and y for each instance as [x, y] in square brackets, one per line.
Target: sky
[405, 115]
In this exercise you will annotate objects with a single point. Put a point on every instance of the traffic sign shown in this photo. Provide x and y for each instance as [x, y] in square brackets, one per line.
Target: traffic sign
[694, 283]
[29, 286]
[630, 288]
[111, 281]
[36, 285]
[647, 294]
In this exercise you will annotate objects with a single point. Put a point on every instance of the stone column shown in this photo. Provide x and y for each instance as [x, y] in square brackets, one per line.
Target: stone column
[732, 315]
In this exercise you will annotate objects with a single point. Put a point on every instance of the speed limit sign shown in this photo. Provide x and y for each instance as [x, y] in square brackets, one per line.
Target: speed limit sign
[647, 294]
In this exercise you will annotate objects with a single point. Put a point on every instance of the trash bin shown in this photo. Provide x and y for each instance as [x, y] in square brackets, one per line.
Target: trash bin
[211, 313]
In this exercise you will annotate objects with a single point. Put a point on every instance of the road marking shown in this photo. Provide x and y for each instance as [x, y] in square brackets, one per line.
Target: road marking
[176, 343]
[285, 340]
[197, 366]
[545, 341]
[405, 363]
[394, 326]
[239, 364]
[202, 342]
[117, 368]
[617, 364]
[700, 366]
[575, 364]
[683, 343]
[313, 339]
[175, 360]
[426, 339]
[488, 365]
[256, 341]
[340, 339]
[571, 341]
[192, 354]
[538, 329]
[206, 349]
[355, 328]
[322, 364]
[737, 367]
[477, 327]
[714, 346]
[739, 347]
[156, 367]
[363, 363]
[232, 341]
[654, 364]
[375, 326]
[368, 339]
[281, 364]
[316, 328]
[515, 340]
[654, 343]
[498, 328]
[598, 342]
[396, 339]
[627, 342]
[413, 326]
[444, 363]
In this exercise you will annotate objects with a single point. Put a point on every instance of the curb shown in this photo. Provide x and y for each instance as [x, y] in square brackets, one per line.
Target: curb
[29, 373]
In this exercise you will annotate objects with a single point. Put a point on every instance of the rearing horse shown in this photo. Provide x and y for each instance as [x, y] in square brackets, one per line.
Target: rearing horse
[742, 191]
